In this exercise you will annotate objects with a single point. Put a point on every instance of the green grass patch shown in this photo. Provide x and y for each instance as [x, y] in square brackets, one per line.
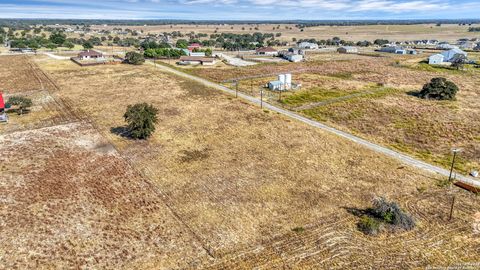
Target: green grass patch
[312, 95]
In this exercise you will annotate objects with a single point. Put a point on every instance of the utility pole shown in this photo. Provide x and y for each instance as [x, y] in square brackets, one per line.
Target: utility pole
[455, 151]
[261, 98]
[236, 88]
[451, 208]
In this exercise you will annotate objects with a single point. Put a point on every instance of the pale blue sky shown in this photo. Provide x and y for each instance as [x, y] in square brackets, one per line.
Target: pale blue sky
[241, 9]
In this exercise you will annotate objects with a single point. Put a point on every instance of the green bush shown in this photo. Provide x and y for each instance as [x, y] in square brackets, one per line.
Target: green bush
[440, 89]
[141, 119]
[391, 213]
[369, 225]
[23, 103]
[134, 58]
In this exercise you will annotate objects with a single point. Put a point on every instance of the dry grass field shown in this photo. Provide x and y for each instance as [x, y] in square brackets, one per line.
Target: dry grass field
[447, 32]
[241, 179]
[386, 111]
[69, 200]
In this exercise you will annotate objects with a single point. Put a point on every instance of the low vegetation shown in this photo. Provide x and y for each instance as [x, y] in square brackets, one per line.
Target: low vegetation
[385, 215]
[20, 103]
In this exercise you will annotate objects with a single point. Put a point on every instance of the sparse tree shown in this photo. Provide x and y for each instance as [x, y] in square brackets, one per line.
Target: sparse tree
[87, 45]
[141, 119]
[134, 58]
[458, 61]
[439, 88]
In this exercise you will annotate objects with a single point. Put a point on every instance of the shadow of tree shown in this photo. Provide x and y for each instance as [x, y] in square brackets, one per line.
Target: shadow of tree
[414, 93]
[121, 131]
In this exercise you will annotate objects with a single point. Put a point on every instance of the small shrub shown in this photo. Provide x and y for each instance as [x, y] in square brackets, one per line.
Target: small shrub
[23, 103]
[391, 213]
[440, 89]
[298, 229]
[369, 225]
[141, 119]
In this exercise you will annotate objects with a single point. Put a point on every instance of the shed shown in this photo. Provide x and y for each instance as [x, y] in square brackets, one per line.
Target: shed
[436, 59]
[347, 49]
[394, 49]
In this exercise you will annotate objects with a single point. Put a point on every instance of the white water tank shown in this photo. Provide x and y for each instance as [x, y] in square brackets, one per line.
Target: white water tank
[288, 79]
[281, 78]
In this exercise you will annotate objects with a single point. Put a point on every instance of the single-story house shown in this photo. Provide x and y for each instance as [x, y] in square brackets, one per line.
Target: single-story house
[466, 45]
[450, 54]
[194, 46]
[266, 51]
[196, 60]
[436, 59]
[446, 46]
[394, 49]
[293, 57]
[201, 54]
[308, 45]
[90, 54]
[347, 49]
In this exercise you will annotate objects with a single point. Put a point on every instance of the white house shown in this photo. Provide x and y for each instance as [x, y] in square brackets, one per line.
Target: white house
[308, 45]
[436, 59]
[450, 54]
[347, 49]
[446, 46]
[266, 51]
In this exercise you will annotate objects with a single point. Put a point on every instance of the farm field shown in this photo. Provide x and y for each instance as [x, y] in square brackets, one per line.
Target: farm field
[237, 176]
[447, 32]
[380, 103]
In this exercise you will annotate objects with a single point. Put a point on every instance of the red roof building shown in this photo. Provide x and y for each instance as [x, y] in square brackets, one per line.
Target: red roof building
[194, 46]
[2, 103]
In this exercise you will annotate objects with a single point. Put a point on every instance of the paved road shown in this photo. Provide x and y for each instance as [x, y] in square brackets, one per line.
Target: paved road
[378, 148]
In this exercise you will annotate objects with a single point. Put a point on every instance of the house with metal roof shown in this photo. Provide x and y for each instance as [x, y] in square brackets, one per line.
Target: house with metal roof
[394, 49]
[450, 54]
[347, 49]
[308, 45]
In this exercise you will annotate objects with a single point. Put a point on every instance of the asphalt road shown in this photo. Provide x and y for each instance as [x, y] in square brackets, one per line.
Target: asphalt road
[378, 148]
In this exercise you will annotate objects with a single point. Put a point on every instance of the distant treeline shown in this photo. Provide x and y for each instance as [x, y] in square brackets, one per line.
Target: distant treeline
[474, 29]
[20, 23]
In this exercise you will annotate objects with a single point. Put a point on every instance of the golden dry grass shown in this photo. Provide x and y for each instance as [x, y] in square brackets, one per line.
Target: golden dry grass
[69, 200]
[447, 32]
[242, 178]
